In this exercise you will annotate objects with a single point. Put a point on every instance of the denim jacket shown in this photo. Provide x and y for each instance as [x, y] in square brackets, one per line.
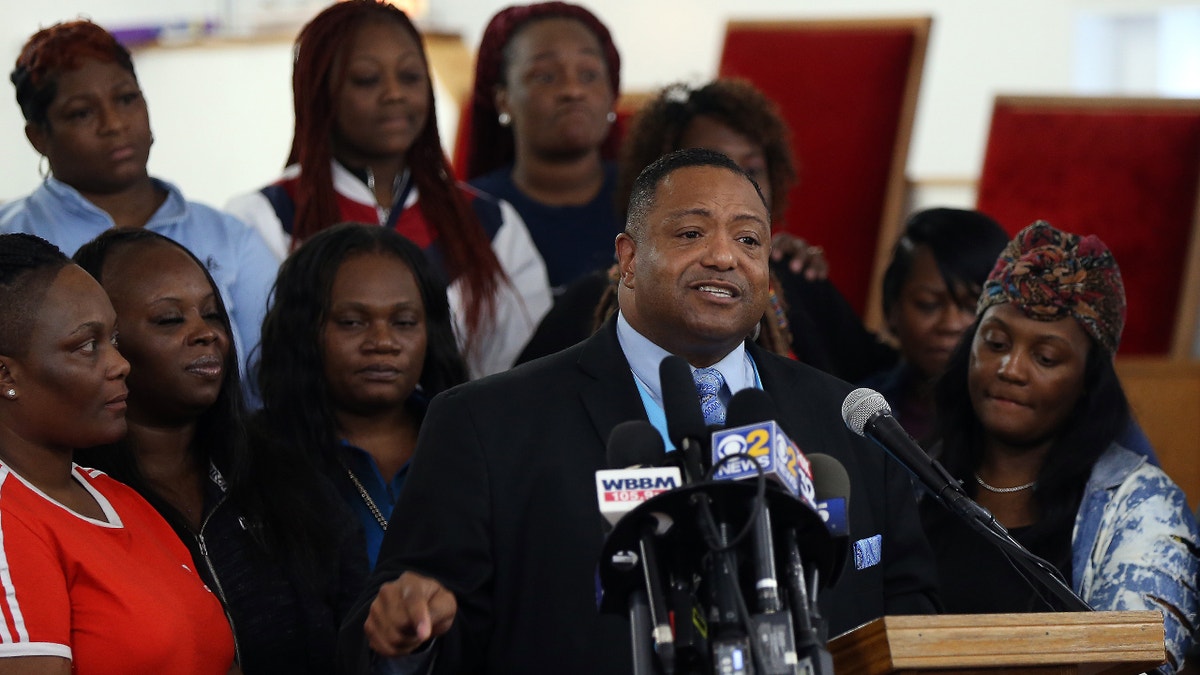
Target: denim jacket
[1134, 546]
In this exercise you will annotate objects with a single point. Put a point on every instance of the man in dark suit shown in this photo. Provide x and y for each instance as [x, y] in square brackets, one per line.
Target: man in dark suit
[493, 546]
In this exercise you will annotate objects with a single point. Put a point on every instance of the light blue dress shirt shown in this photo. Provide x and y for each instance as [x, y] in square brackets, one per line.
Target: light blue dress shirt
[236, 256]
[644, 358]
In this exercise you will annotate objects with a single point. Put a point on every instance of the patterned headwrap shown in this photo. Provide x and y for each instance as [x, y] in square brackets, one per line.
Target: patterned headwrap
[1051, 274]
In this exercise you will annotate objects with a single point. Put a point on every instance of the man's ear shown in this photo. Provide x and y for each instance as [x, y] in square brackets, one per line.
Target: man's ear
[626, 257]
[37, 137]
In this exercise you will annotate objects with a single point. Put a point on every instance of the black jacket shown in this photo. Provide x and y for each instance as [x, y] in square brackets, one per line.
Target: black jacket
[500, 507]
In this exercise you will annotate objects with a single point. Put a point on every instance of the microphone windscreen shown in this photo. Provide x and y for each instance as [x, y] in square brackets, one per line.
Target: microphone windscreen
[635, 443]
[749, 406]
[830, 479]
[860, 405]
[681, 402]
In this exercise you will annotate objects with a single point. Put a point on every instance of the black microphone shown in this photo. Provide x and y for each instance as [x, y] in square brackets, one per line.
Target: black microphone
[773, 627]
[685, 421]
[636, 443]
[752, 406]
[635, 456]
[830, 479]
[749, 406]
[831, 484]
[867, 414]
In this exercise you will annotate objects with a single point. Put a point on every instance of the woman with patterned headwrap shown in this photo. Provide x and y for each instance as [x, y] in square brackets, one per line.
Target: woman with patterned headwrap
[1030, 412]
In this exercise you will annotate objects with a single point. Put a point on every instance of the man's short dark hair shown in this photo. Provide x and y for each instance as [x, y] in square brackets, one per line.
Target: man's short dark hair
[641, 198]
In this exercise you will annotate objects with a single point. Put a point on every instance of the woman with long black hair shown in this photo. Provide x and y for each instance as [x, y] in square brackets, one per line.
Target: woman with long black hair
[1030, 411]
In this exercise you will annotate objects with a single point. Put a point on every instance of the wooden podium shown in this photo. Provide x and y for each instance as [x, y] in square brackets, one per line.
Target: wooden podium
[1061, 643]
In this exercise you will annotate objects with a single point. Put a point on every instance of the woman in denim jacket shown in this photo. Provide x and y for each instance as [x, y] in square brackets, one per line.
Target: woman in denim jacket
[1031, 410]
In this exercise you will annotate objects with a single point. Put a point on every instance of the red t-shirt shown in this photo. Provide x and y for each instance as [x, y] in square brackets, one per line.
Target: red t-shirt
[115, 597]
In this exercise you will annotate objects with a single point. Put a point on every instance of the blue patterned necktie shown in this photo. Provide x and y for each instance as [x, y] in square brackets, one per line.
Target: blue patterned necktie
[708, 384]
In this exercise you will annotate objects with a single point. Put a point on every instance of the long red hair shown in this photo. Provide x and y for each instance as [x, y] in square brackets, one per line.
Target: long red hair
[467, 252]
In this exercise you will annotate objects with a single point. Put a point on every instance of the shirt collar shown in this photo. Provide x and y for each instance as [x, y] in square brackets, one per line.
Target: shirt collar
[644, 358]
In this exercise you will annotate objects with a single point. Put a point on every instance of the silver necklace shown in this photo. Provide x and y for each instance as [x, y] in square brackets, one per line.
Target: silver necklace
[397, 184]
[1004, 491]
[362, 492]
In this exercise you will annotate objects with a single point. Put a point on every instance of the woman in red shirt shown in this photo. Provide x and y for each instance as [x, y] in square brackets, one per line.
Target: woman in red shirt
[92, 579]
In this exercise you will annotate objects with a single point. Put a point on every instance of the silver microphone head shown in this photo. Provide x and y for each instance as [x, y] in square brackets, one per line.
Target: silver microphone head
[860, 405]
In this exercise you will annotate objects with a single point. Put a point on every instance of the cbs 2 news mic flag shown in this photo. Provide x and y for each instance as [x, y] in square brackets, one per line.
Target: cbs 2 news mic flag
[775, 454]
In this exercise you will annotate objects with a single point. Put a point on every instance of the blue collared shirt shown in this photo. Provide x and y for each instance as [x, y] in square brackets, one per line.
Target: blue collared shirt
[236, 256]
[737, 367]
[381, 491]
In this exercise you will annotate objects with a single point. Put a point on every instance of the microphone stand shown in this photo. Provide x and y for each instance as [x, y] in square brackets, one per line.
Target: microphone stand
[640, 628]
[982, 521]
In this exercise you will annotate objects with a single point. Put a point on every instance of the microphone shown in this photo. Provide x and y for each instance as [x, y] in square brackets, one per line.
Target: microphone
[636, 443]
[685, 421]
[635, 451]
[832, 486]
[867, 414]
[752, 430]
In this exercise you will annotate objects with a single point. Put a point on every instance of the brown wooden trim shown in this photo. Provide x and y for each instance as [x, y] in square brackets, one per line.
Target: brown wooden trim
[1065, 642]
[1100, 103]
[896, 198]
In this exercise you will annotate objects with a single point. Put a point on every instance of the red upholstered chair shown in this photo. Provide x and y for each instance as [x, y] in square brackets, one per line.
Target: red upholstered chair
[848, 90]
[1126, 170]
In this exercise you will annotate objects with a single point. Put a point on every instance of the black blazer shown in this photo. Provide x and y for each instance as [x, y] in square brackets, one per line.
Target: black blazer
[499, 506]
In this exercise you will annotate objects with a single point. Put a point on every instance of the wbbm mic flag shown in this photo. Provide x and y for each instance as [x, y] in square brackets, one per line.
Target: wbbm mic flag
[775, 453]
[619, 491]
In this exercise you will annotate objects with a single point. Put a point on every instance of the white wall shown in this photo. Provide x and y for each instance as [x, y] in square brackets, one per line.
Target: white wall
[222, 116]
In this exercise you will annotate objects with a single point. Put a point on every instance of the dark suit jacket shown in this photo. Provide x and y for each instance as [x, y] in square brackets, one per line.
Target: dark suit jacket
[500, 507]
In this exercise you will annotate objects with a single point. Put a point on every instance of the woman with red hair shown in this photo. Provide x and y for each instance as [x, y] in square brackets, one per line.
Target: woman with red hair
[366, 148]
[541, 133]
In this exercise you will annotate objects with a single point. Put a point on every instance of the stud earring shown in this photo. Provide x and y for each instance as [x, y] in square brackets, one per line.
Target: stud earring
[611, 116]
[10, 393]
[505, 119]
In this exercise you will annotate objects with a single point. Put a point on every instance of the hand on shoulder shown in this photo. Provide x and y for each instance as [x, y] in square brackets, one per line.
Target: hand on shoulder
[802, 257]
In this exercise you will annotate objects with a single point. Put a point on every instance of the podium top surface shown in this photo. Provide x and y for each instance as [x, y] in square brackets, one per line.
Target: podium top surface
[1057, 642]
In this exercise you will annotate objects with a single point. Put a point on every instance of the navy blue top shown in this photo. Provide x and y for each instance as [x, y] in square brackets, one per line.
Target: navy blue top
[381, 490]
[573, 240]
